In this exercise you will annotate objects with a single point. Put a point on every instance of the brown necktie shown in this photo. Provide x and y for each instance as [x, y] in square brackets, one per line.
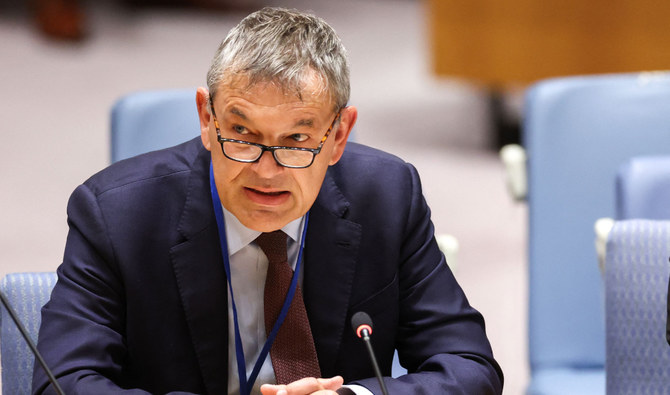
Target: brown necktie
[293, 353]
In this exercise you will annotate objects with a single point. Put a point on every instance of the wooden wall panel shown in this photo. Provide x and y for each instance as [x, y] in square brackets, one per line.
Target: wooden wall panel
[520, 41]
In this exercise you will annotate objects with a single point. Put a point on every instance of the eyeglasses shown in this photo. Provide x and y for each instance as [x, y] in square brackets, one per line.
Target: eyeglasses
[247, 152]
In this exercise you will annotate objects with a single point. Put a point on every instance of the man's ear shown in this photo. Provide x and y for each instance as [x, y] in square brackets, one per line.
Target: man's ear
[348, 117]
[205, 116]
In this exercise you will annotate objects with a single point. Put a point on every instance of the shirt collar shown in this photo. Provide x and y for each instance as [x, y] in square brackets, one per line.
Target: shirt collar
[239, 236]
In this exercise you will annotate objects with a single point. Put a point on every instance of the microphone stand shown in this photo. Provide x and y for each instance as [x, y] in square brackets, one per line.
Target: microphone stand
[31, 344]
[375, 366]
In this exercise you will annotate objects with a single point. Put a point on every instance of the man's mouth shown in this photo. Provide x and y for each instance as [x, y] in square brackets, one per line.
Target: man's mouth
[267, 198]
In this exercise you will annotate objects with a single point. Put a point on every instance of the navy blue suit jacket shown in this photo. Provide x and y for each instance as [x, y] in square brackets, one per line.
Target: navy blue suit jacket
[141, 298]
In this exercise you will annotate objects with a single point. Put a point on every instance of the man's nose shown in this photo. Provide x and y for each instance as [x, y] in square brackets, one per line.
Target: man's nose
[267, 166]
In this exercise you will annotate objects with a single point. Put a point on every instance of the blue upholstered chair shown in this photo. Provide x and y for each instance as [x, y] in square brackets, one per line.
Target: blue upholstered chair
[576, 133]
[150, 120]
[643, 188]
[636, 284]
[27, 293]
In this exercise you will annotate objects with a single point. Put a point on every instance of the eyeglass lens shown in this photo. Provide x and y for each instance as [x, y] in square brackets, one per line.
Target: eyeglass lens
[249, 153]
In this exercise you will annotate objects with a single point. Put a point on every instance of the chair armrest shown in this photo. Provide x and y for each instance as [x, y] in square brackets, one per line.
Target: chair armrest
[514, 158]
[602, 227]
[449, 246]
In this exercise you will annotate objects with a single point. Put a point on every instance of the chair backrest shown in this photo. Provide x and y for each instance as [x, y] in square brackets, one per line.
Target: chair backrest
[643, 188]
[636, 286]
[150, 120]
[577, 131]
[27, 293]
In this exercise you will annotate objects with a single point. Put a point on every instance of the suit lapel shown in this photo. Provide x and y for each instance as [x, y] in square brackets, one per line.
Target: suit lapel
[331, 248]
[201, 279]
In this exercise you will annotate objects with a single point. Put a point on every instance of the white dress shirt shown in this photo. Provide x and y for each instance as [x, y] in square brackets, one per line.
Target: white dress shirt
[248, 269]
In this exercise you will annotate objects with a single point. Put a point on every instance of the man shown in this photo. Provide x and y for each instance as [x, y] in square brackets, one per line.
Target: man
[163, 287]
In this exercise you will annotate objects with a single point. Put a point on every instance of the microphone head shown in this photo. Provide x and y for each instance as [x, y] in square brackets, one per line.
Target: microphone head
[361, 321]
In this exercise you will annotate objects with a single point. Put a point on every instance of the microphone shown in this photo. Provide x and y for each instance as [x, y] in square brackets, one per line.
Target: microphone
[26, 337]
[362, 324]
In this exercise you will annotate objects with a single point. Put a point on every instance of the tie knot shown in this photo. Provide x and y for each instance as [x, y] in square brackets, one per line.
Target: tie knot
[273, 245]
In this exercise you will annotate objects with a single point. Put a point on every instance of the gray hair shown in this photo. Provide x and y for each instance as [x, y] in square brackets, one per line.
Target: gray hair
[285, 47]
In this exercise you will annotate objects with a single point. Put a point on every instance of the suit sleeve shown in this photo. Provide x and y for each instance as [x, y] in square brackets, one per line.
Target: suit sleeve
[440, 338]
[82, 331]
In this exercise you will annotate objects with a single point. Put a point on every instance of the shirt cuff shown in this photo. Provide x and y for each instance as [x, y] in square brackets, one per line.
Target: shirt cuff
[353, 390]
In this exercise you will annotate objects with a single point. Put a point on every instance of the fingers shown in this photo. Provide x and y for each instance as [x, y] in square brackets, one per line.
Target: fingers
[308, 385]
[269, 389]
[332, 383]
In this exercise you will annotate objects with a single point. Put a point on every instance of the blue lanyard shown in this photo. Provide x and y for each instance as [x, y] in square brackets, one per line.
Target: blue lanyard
[246, 385]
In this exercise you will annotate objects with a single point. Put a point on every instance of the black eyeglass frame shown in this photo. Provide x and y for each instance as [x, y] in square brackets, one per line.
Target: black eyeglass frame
[314, 151]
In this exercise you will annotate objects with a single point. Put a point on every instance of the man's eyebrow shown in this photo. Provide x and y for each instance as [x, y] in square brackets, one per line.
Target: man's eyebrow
[309, 122]
[238, 112]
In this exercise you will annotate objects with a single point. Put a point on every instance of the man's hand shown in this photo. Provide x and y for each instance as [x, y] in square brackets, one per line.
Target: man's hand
[306, 386]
